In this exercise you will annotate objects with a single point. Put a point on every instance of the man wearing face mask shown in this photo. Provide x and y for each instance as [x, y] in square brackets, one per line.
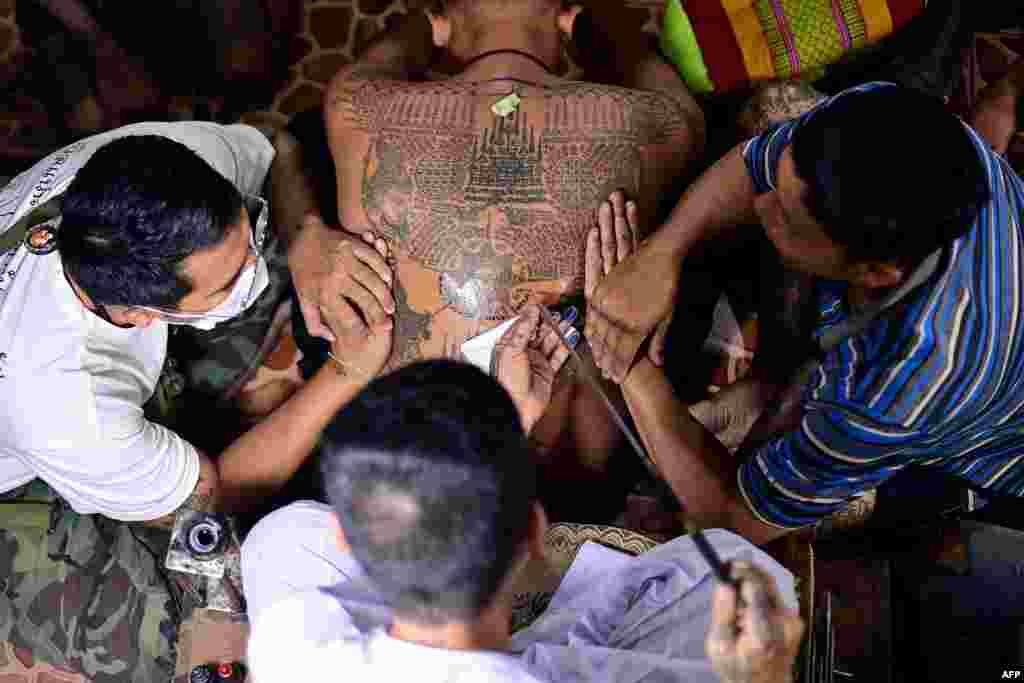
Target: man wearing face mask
[159, 225]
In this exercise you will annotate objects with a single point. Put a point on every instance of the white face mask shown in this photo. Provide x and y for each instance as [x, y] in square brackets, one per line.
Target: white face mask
[248, 287]
[251, 283]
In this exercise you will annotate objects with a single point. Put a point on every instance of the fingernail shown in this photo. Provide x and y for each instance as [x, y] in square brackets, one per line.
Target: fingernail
[571, 314]
[573, 338]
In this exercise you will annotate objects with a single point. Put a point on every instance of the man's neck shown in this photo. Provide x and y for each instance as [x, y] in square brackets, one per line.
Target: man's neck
[80, 293]
[89, 305]
[490, 632]
[514, 37]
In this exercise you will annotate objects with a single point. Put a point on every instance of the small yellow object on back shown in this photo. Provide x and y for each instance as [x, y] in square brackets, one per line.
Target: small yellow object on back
[507, 105]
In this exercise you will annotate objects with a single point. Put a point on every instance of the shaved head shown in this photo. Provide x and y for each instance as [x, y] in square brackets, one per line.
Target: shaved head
[477, 8]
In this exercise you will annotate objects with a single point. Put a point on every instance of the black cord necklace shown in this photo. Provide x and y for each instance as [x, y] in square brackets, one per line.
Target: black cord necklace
[490, 53]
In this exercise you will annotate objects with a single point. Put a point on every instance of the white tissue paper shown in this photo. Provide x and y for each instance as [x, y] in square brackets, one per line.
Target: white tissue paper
[478, 350]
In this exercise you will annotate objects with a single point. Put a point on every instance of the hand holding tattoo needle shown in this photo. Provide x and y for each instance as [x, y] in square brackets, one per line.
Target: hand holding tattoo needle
[753, 638]
[526, 360]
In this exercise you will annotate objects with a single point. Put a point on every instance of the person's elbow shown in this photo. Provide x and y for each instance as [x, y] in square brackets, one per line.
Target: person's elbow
[742, 521]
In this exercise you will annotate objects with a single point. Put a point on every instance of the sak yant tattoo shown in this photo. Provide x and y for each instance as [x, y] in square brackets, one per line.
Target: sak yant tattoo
[490, 212]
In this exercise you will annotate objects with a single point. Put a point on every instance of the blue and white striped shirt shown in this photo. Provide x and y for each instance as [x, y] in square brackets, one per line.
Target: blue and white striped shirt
[935, 380]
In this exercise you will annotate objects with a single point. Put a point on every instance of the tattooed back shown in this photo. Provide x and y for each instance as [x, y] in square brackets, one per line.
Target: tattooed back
[485, 213]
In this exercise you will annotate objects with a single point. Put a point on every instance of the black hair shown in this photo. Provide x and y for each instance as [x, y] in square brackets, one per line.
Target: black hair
[430, 474]
[891, 174]
[135, 211]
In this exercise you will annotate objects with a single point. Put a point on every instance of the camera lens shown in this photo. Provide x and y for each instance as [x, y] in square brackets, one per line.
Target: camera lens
[204, 536]
[202, 674]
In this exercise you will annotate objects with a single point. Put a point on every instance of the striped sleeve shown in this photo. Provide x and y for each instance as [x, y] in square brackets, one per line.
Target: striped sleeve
[813, 471]
[848, 442]
[762, 154]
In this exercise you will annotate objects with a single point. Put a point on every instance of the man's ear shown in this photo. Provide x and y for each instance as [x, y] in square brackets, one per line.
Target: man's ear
[877, 275]
[441, 24]
[567, 18]
[339, 534]
[538, 529]
[129, 315]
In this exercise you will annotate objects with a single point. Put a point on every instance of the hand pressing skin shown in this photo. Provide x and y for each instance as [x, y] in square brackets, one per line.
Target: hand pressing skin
[611, 299]
[361, 343]
[610, 244]
[335, 272]
[754, 640]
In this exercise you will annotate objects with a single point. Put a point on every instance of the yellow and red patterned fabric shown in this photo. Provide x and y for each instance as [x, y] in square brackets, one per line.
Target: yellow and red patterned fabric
[721, 45]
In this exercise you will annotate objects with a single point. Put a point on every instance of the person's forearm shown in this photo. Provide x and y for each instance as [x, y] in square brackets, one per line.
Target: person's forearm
[262, 460]
[695, 465]
[407, 48]
[291, 188]
[720, 201]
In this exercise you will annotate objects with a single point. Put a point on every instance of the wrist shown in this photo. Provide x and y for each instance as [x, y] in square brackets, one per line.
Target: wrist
[641, 375]
[347, 370]
[672, 242]
[309, 227]
[529, 418]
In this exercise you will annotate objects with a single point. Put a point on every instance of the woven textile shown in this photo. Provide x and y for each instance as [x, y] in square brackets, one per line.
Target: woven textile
[721, 45]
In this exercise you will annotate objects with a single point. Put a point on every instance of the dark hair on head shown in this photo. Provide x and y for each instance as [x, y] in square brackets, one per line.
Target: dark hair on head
[430, 474]
[891, 175]
[135, 211]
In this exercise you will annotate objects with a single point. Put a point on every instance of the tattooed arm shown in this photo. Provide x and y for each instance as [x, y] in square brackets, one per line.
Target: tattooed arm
[203, 497]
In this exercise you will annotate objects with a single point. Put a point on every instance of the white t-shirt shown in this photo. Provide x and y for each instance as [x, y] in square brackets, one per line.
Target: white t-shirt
[613, 619]
[74, 385]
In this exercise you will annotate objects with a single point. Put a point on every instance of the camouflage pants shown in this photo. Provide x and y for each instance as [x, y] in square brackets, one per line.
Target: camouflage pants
[82, 592]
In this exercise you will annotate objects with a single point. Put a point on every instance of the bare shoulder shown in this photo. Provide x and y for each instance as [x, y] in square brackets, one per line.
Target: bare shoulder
[663, 112]
[358, 93]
